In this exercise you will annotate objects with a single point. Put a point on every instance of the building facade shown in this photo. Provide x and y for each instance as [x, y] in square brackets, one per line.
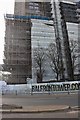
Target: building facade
[33, 27]
[70, 15]
[42, 36]
[66, 20]
[78, 14]
[33, 8]
[17, 50]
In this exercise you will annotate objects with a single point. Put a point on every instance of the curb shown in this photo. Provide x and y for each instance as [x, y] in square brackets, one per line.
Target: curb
[8, 107]
[34, 111]
[75, 108]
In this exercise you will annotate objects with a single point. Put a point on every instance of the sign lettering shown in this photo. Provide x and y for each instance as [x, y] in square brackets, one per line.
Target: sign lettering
[56, 87]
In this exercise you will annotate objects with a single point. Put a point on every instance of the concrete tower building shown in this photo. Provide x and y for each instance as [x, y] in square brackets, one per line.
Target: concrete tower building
[66, 22]
[32, 26]
[78, 14]
[33, 8]
[17, 50]
[70, 26]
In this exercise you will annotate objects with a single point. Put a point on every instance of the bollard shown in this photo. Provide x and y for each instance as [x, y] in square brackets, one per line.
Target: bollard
[16, 92]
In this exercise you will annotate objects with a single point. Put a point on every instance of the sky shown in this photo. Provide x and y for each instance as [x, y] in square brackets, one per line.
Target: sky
[6, 6]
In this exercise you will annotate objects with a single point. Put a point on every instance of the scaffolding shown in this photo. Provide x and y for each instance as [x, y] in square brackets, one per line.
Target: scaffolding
[17, 48]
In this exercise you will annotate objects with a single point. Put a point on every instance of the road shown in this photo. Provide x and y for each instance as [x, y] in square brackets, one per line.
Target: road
[32, 100]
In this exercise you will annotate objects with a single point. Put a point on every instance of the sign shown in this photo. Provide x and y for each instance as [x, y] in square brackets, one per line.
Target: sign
[52, 87]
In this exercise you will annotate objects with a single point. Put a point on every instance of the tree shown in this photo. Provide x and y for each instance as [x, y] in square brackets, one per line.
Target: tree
[74, 55]
[55, 60]
[39, 61]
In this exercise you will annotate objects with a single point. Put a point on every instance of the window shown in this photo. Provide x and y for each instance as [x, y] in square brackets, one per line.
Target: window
[36, 8]
[36, 4]
[30, 3]
[30, 7]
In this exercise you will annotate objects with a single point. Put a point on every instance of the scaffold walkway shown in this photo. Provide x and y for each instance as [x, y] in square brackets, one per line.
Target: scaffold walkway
[12, 16]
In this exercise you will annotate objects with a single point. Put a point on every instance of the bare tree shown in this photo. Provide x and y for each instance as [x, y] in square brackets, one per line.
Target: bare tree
[55, 59]
[39, 61]
[74, 55]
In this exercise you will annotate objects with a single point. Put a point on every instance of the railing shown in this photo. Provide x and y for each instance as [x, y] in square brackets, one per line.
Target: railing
[29, 92]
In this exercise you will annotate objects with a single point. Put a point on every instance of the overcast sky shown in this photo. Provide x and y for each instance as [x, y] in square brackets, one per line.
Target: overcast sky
[6, 6]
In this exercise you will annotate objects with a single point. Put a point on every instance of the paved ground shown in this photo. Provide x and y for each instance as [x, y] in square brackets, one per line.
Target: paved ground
[72, 114]
[35, 109]
[41, 112]
[41, 106]
[39, 100]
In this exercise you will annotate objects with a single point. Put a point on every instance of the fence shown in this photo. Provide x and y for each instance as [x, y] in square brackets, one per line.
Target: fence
[44, 88]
